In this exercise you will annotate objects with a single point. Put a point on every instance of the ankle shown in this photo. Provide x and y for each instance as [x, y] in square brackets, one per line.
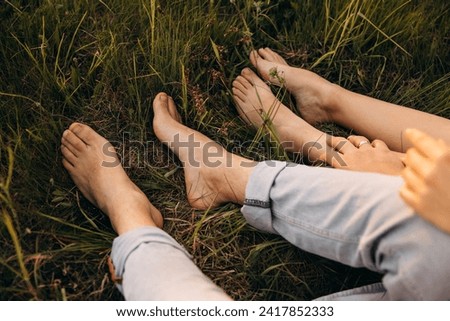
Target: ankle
[230, 182]
[237, 179]
[128, 206]
[140, 215]
[333, 101]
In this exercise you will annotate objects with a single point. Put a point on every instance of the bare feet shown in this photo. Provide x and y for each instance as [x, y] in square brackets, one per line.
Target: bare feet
[96, 170]
[213, 176]
[312, 93]
[256, 104]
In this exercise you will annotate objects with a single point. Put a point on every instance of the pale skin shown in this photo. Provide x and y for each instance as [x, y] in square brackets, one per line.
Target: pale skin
[111, 190]
[107, 187]
[426, 174]
[425, 167]
[427, 177]
[256, 102]
[319, 101]
[213, 176]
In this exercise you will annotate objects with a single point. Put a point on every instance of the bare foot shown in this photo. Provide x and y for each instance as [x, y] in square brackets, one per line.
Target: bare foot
[256, 103]
[213, 176]
[312, 93]
[95, 168]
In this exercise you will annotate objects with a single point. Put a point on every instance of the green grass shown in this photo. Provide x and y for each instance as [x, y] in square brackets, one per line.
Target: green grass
[102, 62]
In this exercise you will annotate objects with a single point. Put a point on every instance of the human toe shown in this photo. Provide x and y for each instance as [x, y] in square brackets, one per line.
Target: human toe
[173, 110]
[270, 55]
[249, 76]
[68, 165]
[254, 57]
[164, 107]
[72, 142]
[84, 133]
[161, 105]
[253, 79]
[238, 95]
[241, 84]
[68, 155]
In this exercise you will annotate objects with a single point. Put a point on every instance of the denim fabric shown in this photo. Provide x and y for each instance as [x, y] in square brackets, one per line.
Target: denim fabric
[356, 219]
[153, 266]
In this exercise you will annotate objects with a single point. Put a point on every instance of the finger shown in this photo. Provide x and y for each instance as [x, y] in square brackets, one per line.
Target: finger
[340, 144]
[332, 158]
[379, 144]
[401, 156]
[412, 180]
[425, 144]
[410, 197]
[418, 162]
[359, 141]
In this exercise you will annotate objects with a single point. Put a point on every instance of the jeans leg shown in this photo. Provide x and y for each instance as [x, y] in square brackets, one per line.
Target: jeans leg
[371, 292]
[354, 218]
[153, 266]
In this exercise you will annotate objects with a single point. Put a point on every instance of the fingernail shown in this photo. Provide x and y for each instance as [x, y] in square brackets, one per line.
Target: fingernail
[409, 132]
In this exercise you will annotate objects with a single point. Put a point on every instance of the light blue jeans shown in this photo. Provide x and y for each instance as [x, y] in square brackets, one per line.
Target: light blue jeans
[354, 218]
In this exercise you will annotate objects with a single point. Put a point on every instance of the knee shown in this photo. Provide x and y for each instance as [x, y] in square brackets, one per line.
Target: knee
[420, 267]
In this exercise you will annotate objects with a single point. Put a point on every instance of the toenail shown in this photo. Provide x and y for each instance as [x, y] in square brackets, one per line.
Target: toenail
[75, 127]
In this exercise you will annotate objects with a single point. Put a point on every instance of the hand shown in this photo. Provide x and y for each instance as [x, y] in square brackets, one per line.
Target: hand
[357, 154]
[427, 178]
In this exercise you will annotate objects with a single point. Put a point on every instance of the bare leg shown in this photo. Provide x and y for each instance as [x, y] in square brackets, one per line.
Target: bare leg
[358, 220]
[370, 117]
[256, 104]
[95, 168]
[213, 176]
[378, 119]
[151, 265]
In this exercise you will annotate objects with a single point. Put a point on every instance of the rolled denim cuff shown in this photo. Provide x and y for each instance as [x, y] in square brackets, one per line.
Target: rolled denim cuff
[257, 205]
[125, 244]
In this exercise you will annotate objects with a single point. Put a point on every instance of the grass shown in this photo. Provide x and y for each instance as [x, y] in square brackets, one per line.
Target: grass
[102, 62]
